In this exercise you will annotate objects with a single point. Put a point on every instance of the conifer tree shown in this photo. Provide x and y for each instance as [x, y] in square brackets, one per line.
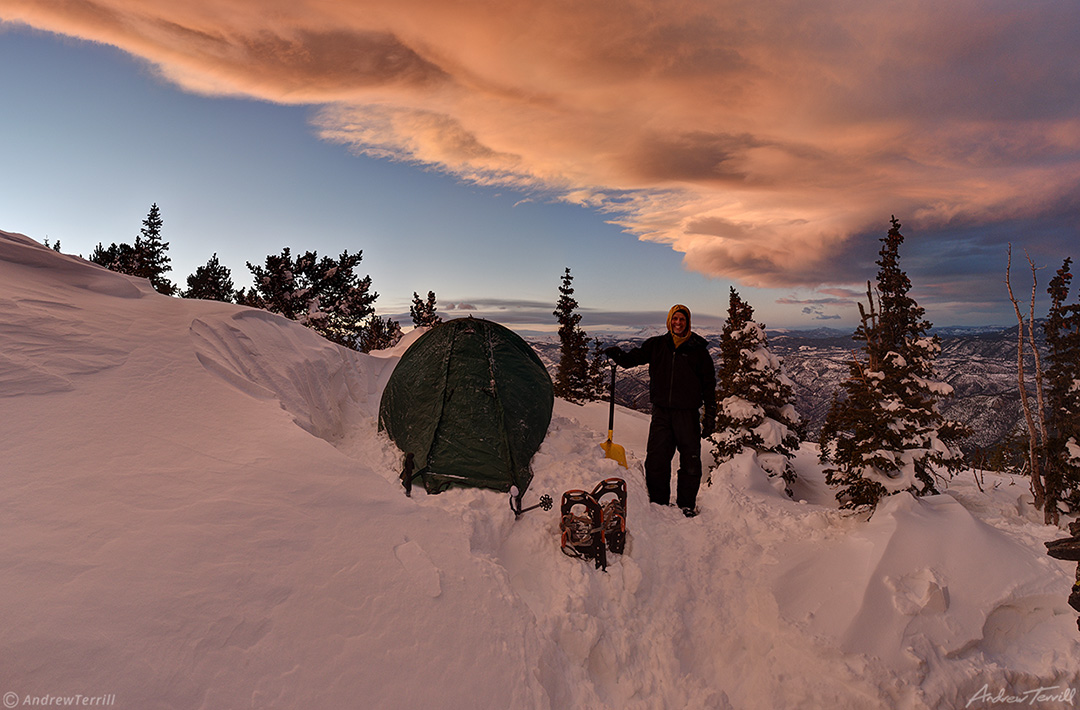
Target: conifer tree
[597, 384]
[572, 374]
[324, 294]
[755, 398]
[379, 334]
[279, 286]
[121, 258]
[886, 434]
[424, 313]
[152, 252]
[148, 258]
[1062, 466]
[211, 282]
[1009, 455]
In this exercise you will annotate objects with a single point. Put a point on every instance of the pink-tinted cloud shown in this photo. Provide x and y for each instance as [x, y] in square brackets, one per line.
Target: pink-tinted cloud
[755, 138]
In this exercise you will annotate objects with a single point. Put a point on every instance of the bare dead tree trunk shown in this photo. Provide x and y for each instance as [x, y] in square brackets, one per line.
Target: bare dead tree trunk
[1041, 420]
[1050, 511]
[1036, 478]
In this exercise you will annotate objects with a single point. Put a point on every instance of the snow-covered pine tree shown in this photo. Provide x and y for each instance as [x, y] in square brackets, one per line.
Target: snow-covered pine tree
[754, 397]
[424, 313]
[324, 294]
[278, 286]
[211, 282]
[340, 302]
[886, 434]
[598, 382]
[1062, 468]
[153, 253]
[572, 374]
[379, 334]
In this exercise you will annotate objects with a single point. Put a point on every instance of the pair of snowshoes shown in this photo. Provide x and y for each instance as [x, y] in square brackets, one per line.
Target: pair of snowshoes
[601, 527]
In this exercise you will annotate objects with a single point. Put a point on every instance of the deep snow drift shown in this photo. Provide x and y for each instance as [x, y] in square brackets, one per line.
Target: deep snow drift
[198, 512]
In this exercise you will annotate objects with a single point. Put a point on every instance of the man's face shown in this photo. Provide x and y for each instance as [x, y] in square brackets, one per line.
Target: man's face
[679, 324]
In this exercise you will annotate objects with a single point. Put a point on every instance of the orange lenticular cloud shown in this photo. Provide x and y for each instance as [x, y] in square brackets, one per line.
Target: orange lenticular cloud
[755, 138]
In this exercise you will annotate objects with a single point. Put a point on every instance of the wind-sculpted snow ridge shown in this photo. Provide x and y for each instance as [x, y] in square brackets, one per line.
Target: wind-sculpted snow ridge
[329, 390]
[46, 341]
[69, 271]
[46, 345]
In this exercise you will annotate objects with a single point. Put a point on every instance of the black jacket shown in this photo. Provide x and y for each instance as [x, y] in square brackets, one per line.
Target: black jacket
[679, 378]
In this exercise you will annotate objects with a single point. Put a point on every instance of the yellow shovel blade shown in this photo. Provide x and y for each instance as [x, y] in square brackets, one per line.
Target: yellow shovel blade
[614, 451]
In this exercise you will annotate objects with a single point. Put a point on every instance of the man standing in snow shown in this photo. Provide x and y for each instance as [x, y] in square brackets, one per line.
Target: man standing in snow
[682, 378]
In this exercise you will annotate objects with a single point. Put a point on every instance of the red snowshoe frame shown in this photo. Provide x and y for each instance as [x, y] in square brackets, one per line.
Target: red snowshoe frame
[614, 512]
[583, 534]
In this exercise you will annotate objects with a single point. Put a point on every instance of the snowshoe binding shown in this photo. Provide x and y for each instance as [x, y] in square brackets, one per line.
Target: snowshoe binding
[583, 532]
[613, 512]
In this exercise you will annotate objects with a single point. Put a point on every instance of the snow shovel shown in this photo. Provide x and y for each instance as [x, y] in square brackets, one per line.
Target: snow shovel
[611, 449]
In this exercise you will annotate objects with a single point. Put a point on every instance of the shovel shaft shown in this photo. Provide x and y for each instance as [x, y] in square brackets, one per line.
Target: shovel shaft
[611, 449]
[611, 409]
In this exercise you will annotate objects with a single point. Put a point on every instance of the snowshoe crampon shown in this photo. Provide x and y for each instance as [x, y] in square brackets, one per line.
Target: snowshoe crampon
[582, 527]
[613, 512]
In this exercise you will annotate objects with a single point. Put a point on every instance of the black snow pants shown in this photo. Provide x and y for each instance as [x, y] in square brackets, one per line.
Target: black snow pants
[671, 430]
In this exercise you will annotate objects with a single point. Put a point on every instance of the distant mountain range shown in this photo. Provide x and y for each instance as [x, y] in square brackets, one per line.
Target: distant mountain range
[978, 362]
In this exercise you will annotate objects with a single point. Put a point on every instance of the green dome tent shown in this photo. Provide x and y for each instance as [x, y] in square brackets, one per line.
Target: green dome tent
[471, 401]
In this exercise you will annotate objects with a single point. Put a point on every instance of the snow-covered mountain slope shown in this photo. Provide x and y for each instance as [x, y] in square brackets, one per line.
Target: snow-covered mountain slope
[198, 512]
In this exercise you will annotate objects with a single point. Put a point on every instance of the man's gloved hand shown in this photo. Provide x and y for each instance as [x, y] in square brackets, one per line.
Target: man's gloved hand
[708, 425]
[614, 353]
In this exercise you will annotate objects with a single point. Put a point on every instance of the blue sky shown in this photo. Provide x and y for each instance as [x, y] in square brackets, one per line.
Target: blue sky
[482, 179]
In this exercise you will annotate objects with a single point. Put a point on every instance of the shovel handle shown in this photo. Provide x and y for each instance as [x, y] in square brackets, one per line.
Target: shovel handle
[611, 409]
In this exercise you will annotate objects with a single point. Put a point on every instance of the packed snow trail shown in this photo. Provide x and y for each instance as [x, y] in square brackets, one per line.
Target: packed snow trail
[678, 620]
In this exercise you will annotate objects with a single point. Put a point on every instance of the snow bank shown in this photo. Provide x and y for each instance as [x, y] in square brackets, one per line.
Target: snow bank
[329, 390]
[200, 513]
[923, 575]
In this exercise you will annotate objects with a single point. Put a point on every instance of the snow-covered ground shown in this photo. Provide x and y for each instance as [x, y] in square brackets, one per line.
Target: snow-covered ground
[197, 511]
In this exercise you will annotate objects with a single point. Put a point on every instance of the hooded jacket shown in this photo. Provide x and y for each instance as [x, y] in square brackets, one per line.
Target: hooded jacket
[680, 376]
